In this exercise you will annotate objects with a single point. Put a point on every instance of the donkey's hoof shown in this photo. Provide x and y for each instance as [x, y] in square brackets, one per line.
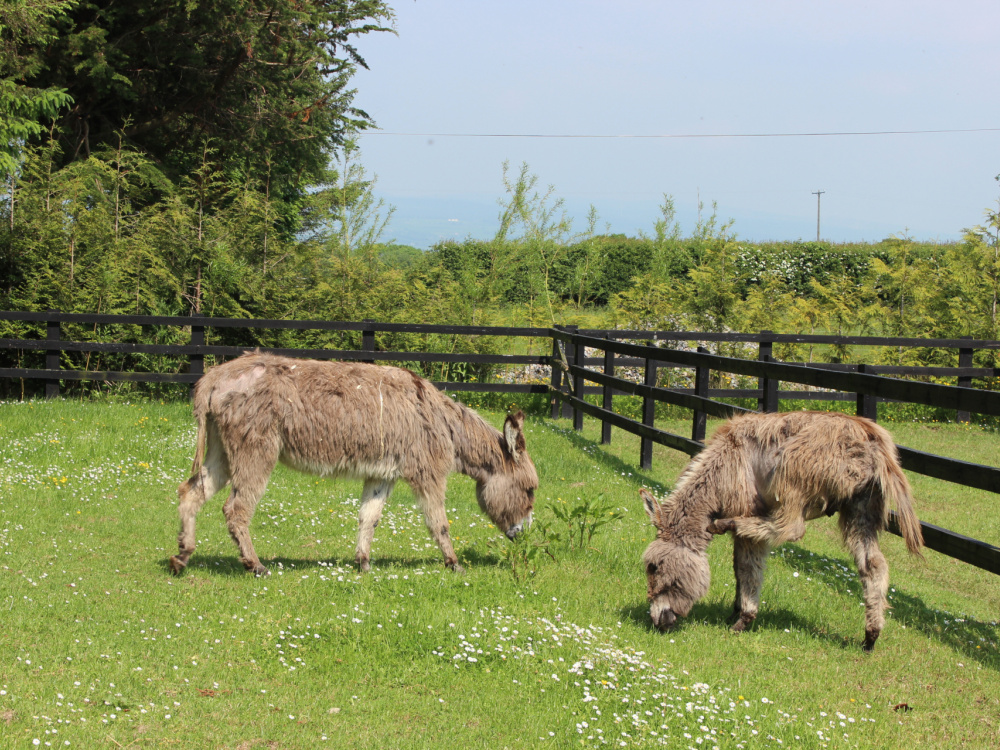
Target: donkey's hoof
[365, 566]
[869, 644]
[260, 571]
[456, 568]
[721, 525]
[176, 566]
[742, 623]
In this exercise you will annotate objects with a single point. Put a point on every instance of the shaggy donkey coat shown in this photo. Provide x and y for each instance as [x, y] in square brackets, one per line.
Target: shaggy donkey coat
[762, 476]
[346, 419]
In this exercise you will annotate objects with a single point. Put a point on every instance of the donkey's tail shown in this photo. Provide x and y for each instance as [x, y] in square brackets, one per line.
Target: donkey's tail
[199, 449]
[896, 489]
[200, 408]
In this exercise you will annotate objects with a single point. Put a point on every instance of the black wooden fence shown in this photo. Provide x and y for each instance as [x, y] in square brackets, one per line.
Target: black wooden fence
[570, 373]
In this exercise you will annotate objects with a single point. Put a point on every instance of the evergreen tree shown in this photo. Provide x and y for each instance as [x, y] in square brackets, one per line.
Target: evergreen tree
[265, 82]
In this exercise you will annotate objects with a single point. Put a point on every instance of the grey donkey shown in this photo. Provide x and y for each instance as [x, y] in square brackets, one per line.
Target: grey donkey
[761, 477]
[341, 419]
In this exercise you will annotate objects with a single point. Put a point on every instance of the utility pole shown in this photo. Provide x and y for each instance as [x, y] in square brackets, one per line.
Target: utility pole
[817, 193]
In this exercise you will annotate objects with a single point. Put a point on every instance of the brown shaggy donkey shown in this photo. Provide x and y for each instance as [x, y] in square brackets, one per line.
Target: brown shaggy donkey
[762, 476]
[362, 421]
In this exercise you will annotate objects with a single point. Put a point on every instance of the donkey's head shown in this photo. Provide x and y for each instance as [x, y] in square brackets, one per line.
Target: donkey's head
[677, 575]
[507, 494]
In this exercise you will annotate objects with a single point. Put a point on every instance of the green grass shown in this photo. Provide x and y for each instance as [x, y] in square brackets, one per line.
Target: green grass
[100, 647]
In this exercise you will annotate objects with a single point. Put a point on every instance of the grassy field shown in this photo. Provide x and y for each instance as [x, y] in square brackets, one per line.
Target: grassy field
[100, 647]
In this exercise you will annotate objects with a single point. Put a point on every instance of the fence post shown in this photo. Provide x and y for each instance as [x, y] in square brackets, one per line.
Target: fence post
[567, 410]
[196, 362]
[556, 376]
[768, 400]
[648, 417]
[607, 400]
[579, 357]
[867, 405]
[700, 421]
[368, 340]
[52, 336]
[964, 360]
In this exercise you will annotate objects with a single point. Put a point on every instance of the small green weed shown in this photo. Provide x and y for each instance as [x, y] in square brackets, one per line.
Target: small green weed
[583, 519]
[524, 552]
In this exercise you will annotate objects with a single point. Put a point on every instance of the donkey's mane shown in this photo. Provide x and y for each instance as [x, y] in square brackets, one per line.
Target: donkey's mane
[478, 445]
[700, 486]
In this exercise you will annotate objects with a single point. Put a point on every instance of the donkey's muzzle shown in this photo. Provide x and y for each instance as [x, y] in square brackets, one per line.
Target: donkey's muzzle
[518, 527]
[665, 620]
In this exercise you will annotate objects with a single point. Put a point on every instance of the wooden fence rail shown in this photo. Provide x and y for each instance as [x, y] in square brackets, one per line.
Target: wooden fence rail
[571, 369]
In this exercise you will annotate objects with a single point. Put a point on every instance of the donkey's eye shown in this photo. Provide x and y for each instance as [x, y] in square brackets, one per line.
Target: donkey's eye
[650, 569]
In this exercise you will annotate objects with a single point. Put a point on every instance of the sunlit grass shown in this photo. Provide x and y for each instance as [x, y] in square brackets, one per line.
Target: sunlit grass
[100, 647]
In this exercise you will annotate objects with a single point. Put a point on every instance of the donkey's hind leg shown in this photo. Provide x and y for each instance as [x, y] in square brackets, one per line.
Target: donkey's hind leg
[250, 477]
[860, 530]
[209, 479]
[749, 561]
[373, 497]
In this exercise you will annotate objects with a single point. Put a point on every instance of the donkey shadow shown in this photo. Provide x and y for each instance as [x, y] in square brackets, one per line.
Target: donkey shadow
[962, 635]
[609, 461]
[717, 614]
[229, 566]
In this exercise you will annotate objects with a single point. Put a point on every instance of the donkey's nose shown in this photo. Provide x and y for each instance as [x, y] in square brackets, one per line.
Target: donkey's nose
[667, 620]
[514, 530]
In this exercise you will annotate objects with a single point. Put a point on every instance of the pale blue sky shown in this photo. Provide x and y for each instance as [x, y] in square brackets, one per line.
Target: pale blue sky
[601, 68]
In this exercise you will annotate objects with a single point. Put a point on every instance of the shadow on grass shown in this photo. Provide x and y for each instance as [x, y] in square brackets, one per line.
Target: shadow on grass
[230, 566]
[607, 460]
[478, 558]
[969, 637]
[717, 614]
[974, 640]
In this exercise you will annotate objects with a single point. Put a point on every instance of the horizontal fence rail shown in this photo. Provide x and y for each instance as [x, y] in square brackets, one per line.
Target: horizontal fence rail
[192, 354]
[572, 367]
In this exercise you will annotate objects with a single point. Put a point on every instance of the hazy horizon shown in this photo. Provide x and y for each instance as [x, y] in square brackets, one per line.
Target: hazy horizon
[722, 100]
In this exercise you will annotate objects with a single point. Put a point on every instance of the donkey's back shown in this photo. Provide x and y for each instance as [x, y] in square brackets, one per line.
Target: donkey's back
[330, 418]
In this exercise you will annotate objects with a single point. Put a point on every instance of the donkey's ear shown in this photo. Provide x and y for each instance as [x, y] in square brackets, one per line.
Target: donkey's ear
[513, 435]
[652, 506]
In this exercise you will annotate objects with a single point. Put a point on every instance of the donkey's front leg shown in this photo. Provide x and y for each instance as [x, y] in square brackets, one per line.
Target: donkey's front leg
[431, 500]
[769, 530]
[373, 497]
[721, 525]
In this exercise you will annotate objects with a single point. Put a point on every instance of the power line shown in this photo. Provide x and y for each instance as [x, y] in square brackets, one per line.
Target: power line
[689, 135]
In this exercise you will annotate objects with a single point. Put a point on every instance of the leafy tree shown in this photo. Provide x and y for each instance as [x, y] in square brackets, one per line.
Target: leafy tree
[968, 298]
[265, 82]
[623, 259]
[847, 309]
[403, 257]
[711, 292]
[670, 258]
[540, 231]
[26, 26]
[906, 283]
